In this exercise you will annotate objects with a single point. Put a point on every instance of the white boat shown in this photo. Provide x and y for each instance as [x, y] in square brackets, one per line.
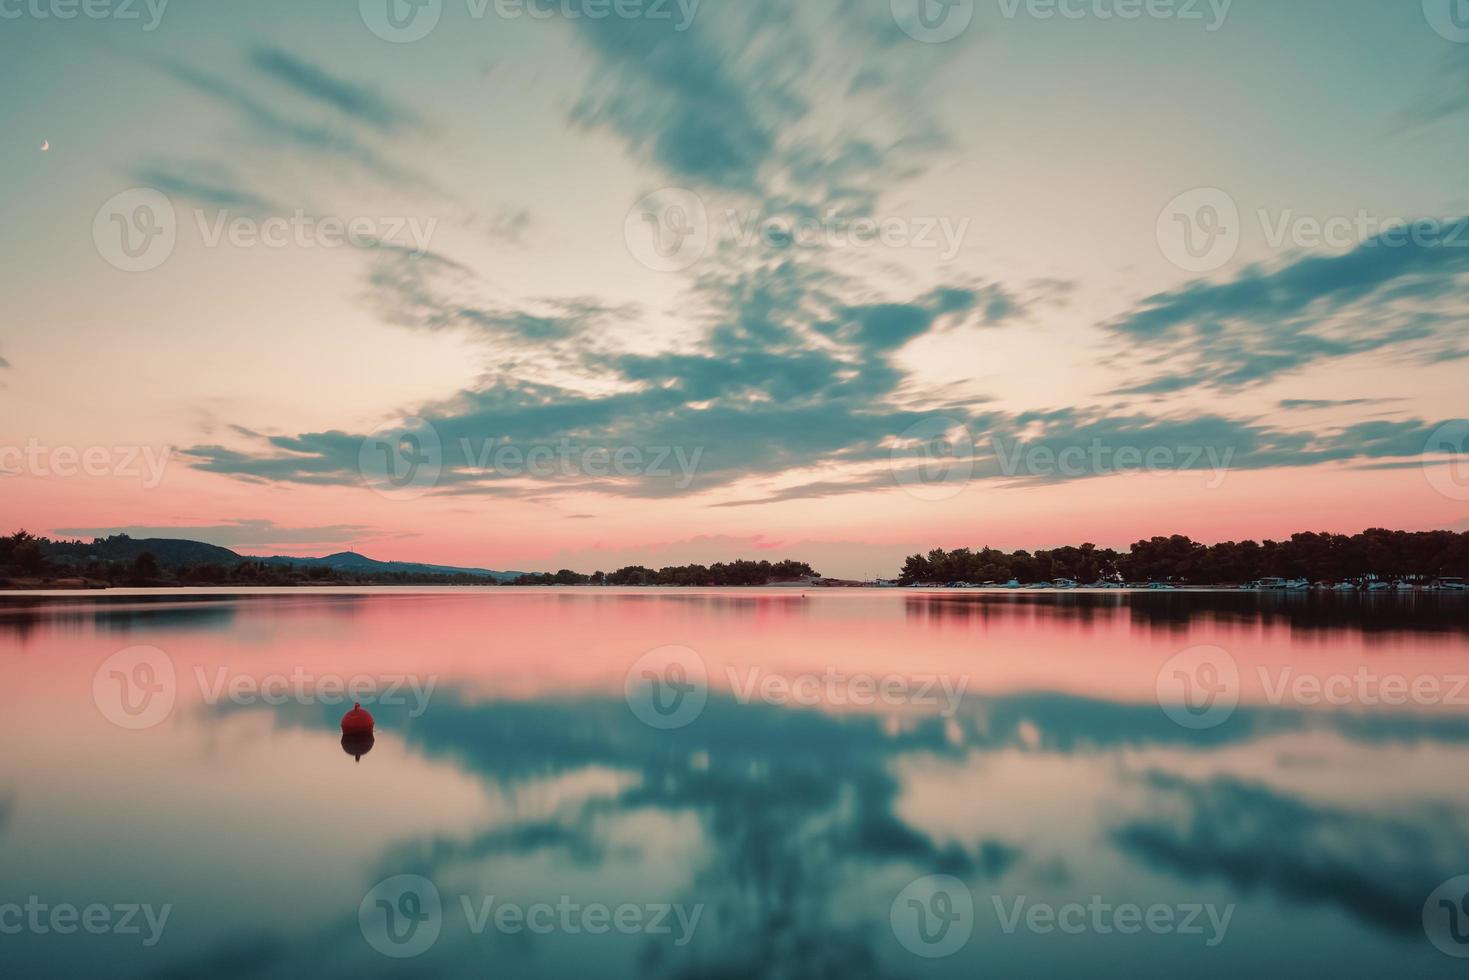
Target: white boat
[1064, 583]
[1450, 584]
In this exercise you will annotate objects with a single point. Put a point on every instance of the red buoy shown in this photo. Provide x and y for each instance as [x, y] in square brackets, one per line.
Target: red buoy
[357, 721]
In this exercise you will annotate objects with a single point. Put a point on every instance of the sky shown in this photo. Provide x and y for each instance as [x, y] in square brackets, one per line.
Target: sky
[528, 284]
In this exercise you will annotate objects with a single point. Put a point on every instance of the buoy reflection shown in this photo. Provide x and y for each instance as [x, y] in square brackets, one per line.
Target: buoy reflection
[357, 744]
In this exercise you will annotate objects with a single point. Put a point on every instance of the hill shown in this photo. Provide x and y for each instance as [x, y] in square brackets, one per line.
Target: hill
[177, 554]
[351, 561]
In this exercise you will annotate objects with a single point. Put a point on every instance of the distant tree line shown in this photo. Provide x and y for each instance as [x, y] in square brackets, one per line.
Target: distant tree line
[30, 561]
[736, 573]
[1181, 560]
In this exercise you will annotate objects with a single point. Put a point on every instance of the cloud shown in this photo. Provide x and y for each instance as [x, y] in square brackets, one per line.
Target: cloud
[1311, 404]
[739, 100]
[1446, 97]
[1034, 449]
[335, 140]
[219, 189]
[436, 294]
[786, 375]
[1377, 868]
[360, 102]
[704, 106]
[794, 371]
[1389, 292]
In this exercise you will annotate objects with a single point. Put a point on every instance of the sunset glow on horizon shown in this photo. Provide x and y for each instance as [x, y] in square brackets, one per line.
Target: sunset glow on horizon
[523, 287]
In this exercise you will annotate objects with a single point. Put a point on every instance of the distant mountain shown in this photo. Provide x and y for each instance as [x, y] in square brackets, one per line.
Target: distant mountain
[170, 552]
[350, 561]
[177, 553]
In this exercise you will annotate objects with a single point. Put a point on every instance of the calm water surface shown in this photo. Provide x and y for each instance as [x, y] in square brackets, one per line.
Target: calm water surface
[741, 784]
